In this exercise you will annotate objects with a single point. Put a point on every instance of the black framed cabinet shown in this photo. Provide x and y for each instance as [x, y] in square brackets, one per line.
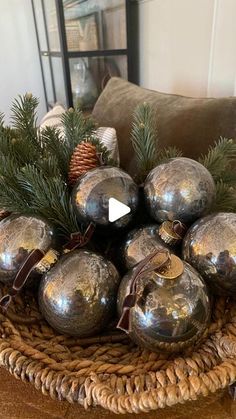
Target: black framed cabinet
[82, 43]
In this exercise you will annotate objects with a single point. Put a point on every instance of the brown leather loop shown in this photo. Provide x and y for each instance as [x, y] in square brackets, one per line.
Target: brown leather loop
[130, 299]
[21, 277]
[179, 228]
[79, 240]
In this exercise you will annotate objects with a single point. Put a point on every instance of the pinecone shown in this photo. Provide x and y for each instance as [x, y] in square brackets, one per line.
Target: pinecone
[3, 214]
[84, 158]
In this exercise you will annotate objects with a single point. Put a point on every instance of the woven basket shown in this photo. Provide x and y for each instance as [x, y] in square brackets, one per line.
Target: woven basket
[110, 371]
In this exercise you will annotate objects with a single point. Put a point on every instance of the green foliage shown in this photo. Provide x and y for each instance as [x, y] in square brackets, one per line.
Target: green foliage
[102, 151]
[34, 164]
[77, 128]
[48, 197]
[219, 160]
[55, 146]
[144, 139]
[167, 154]
[25, 122]
[221, 163]
[145, 142]
[225, 198]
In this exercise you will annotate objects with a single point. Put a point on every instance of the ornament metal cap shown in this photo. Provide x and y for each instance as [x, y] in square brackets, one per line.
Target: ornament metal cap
[172, 232]
[173, 270]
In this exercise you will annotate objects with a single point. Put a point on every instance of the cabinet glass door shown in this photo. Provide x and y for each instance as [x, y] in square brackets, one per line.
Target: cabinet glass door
[50, 89]
[95, 25]
[89, 76]
[52, 25]
[38, 10]
[59, 81]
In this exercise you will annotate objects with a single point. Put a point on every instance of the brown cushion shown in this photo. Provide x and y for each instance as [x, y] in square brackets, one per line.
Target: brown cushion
[191, 124]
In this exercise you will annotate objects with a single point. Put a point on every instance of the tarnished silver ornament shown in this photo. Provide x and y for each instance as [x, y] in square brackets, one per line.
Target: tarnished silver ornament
[210, 246]
[78, 296]
[170, 313]
[19, 236]
[139, 243]
[93, 190]
[180, 189]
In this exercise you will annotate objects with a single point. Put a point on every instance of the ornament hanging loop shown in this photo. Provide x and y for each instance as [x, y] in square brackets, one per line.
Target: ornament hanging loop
[131, 298]
[172, 232]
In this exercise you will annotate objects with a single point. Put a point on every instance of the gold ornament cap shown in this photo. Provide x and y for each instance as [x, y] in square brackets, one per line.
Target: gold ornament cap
[172, 232]
[173, 269]
[47, 262]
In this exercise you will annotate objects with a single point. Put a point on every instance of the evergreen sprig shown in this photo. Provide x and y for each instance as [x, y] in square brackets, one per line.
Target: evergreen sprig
[55, 146]
[24, 118]
[225, 198]
[34, 163]
[102, 151]
[76, 128]
[167, 154]
[144, 138]
[49, 197]
[219, 160]
[221, 163]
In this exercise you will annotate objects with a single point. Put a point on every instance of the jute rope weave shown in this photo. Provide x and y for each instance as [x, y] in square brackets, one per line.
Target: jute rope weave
[110, 371]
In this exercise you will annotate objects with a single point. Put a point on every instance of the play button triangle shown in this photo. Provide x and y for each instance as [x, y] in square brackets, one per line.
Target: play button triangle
[116, 210]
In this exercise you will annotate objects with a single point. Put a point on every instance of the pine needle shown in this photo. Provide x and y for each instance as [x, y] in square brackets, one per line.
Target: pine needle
[220, 158]
[76, 128]
[225, 198]
[55, 146]
[50, 198]
[144, 139]
[167, 154]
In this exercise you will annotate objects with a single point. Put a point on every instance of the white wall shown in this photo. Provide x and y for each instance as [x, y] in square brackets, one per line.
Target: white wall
[188, 46]
[19, 61]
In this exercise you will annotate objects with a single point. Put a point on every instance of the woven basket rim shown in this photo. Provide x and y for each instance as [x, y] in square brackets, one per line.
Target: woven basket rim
[113, 374]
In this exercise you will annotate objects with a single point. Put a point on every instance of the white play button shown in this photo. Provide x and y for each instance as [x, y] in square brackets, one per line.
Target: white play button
[117, 210]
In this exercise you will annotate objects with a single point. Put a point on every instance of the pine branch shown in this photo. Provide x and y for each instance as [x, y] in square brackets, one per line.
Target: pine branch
[144, 139]
[25, 124]
[49, 167]
[167, 154]
[102, 151]
[225, 198]
[76, 128]
[220, 158]
[55, 146]
[50, 198]
[12, 198]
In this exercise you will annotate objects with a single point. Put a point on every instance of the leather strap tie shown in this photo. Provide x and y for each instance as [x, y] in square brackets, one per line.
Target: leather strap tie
[78, 239]
[22, 275]
[131, 298]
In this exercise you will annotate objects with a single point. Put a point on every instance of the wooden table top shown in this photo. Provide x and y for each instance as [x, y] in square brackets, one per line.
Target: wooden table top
[22, 401]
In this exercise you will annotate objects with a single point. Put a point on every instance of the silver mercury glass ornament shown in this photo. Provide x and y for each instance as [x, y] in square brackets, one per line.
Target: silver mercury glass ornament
[180, 189]
[19, 236]
[78, 296]
[165, 309]
[210, 246]
[139, 243]
[91, 194]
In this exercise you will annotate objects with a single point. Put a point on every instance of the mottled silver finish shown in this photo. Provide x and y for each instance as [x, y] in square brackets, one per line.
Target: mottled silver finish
[78, 296]
[93, 190]
[139, 243]
[19, 235]
[181, 189]
[170, 314]
[210, 246]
